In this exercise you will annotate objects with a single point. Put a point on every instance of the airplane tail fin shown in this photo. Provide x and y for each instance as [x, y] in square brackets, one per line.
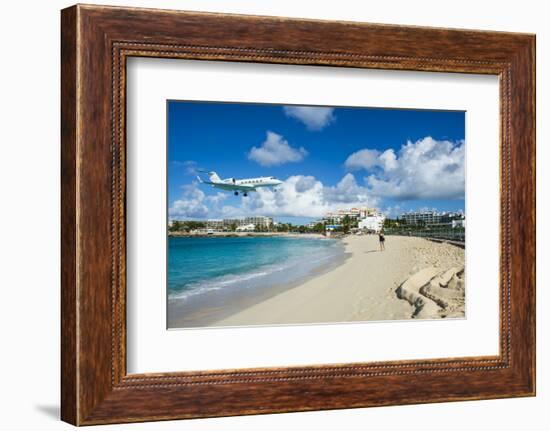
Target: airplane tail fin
[214, 177]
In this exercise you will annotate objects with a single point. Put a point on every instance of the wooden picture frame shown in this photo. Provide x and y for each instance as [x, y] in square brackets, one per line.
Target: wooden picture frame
[95, 43]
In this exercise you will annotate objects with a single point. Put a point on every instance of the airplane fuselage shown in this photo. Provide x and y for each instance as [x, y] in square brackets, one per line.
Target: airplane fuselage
[243, 185]
[253, 182]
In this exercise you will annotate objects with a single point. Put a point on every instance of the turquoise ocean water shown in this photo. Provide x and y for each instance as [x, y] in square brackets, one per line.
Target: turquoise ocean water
[199, 266]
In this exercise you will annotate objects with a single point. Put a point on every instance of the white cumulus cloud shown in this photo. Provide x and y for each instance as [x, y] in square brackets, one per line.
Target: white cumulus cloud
[276, 150]
[425, 169]
[314, 118]
[303, 196]
[217, 198]
[297, 196]
[363, 159]
[189, 166]
[191, 205]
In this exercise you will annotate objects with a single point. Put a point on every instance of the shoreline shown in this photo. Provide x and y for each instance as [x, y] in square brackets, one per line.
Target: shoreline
[186, 315]
[362, 288]
[244, 234]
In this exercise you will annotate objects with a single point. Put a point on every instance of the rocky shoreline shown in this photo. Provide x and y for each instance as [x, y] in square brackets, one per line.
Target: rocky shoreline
[434, 293]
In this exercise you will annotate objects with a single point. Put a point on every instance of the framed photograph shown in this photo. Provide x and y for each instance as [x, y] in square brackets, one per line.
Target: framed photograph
[285, 242]
[264, 215]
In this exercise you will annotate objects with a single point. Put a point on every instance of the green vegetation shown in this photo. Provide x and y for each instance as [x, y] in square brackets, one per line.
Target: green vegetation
[283, 227]
[319, 228]
[288, 227]
[185, 226]
[393, 223]
[346, 223]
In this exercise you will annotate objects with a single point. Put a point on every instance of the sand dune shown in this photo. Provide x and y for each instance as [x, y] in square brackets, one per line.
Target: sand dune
[364, 287]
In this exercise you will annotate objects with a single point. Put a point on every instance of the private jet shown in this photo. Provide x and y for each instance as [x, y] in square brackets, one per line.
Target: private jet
[244, 185]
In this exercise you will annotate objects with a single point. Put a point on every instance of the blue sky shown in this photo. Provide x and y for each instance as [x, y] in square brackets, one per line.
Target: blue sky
[328, 157]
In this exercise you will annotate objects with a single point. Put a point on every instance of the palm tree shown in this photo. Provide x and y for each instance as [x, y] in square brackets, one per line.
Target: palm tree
[346, 222]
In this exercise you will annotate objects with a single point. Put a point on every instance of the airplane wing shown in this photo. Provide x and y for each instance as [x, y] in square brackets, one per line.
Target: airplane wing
[233, 187]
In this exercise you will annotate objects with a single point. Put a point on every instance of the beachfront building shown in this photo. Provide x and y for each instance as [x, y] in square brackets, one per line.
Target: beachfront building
[246, 228]
[430, 217]
[372, 222]
[353, 214]
[222, 225]
[216, 225]
[202, 231]
[421, 217]
[259, 221]
[356, 219]
[228, 222]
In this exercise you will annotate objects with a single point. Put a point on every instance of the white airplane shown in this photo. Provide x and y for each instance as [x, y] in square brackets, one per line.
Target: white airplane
[244, 185]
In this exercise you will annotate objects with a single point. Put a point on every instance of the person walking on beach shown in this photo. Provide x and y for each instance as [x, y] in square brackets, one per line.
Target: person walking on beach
[381, 240]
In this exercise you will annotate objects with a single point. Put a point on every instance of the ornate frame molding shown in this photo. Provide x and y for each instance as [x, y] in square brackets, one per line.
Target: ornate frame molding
[96, 41]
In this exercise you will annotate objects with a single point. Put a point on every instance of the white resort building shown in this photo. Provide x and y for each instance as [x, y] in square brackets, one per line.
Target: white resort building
[372, 222]
[368, 219]
[260, 221]
[227, 223]
[431, 217]
[354, 214]
[214, 224]
[246, 228]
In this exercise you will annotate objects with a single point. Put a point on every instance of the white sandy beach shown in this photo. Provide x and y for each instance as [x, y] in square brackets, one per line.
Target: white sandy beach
[363, 288]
